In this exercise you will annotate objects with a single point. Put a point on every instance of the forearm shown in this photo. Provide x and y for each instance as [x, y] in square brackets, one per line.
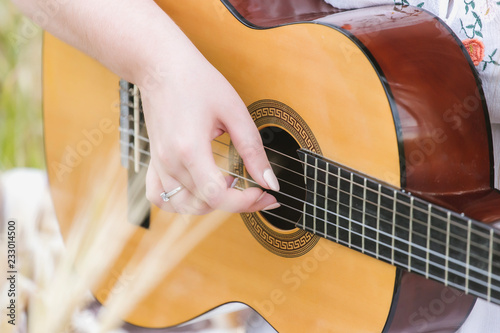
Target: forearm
[131, 38]
[138, 41]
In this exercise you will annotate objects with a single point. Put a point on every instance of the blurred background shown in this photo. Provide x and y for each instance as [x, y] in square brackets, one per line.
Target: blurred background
[21, 135]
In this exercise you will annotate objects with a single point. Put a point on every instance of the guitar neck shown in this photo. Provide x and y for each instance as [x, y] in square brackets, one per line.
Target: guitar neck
[399, 228]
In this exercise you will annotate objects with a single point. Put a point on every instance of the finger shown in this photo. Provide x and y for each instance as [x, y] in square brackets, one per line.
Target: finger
[171, 163]
[231, 181]
[195, 169]
[154, 187]
[213, 188]
[248, 143]
[186, 202]
[248, 200]
[209, 184]
[183, 201]
[266, 201]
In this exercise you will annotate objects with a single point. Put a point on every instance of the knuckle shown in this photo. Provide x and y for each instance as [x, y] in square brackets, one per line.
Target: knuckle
[164, 157]
[178, 148]
[181, 152]
[214, 201]
[213, 193]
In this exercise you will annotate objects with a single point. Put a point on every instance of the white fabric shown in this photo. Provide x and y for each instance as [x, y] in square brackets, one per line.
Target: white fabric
[484, 318]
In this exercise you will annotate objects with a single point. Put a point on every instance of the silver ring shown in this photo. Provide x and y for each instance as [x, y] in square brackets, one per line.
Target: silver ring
[167, 195]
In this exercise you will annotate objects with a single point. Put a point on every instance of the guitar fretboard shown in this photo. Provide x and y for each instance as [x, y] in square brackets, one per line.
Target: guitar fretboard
[394, 226]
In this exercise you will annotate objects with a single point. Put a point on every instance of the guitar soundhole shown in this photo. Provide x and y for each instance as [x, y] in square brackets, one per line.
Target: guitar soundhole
[281, 149]
[283, 132]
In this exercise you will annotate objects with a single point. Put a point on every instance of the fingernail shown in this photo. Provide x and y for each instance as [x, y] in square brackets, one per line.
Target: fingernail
[273, 206]
[234, 182]
[271, 180]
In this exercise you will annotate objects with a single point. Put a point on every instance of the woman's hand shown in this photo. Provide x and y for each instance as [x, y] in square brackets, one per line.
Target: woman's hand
[189, 107]
[187, 104]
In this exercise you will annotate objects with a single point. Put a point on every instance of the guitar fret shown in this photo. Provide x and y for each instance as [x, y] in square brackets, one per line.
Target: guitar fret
[447, 248]
[363, 222]
[427, 255]
[490, 264]
[338, 204]
[410, 232]
[304, 211]
[350, 210]
[315, 194]
[401, 229]
[379, 198]
[467, 257]
[393, 241]
[325, 216]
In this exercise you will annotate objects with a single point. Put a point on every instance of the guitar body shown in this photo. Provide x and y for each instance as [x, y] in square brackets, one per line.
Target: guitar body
[376, 90]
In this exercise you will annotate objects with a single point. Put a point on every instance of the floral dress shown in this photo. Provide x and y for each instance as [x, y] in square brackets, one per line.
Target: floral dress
[477, 25]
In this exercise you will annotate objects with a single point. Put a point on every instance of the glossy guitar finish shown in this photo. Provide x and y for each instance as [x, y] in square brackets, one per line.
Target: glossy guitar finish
[388, 92]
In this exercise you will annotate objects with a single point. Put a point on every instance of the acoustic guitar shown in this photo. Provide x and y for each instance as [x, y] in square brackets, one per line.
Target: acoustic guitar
[376, 125]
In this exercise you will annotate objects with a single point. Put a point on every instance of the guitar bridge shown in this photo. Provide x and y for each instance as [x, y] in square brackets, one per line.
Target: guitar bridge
[134, 148]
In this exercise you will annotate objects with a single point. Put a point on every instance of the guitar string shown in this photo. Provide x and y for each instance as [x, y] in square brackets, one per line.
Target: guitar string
[461, 264]
[481, 246]
[481, 260]
[396, 238]
[478, 245]
[368, 214]
[410, 254]
[429, 274]
[363, 187]
[349, 194]
[487, 228]
[483, 233]
[130, 132]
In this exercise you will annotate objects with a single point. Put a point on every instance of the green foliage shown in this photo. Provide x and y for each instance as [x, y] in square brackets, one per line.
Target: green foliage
[21, 140]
